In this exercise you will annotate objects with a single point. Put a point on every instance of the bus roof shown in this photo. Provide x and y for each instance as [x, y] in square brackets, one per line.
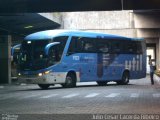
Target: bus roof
[49, 34]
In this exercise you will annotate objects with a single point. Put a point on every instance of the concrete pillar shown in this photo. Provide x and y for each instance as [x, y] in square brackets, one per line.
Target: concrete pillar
[158, 54]
[5, 59]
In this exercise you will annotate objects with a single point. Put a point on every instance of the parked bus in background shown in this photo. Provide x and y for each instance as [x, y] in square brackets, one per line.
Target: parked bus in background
[14, 61]
[67, 57]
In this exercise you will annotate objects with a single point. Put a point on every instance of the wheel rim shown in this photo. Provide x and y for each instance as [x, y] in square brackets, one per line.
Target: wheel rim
[126, 78]
[69, 80]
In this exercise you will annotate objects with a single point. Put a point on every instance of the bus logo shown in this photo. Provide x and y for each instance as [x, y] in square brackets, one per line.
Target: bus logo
[76, 58]
[135, 64]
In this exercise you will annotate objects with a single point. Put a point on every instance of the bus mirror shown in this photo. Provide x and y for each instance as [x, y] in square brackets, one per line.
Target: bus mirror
[14, 47]
[14, 52]
[48, 46]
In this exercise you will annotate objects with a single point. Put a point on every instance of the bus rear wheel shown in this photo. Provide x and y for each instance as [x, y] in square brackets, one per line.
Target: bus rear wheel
[102, 83]
[44, 86]
[70, 81]
[124, 80]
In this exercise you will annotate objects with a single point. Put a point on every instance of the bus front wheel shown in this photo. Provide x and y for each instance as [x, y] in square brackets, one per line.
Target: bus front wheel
[44, 86]
[102, 83]
[124, 80]
[70, 81]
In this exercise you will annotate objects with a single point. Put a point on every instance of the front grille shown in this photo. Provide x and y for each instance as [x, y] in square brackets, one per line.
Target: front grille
[29, 76]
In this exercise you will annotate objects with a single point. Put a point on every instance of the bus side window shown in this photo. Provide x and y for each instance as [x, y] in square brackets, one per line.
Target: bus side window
[62, 40]
[88, 45]
[103, 48]
[102, 45]
[116, 46]
[54, 55]
[131, 47]
[61, 46]
[139, 47]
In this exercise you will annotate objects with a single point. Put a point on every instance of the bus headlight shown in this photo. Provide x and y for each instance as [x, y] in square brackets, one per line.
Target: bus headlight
[40, 74]
[19, 74]
[46, 72]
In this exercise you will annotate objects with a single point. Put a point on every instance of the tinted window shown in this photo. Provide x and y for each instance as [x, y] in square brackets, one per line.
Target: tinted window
[76, 45]
[88, 45]
[139, 47]
[55, 54]
[82, 45]
[62, 40]
[117, 46]
[133, 47]
[103, 45]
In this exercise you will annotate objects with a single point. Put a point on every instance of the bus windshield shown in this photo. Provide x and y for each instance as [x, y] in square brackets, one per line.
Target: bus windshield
[32, 55]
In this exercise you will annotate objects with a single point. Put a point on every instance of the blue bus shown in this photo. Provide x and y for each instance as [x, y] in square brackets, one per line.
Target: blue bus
[67, 57]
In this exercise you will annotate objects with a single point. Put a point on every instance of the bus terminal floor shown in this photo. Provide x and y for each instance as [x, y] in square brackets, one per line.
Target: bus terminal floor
[138, 97]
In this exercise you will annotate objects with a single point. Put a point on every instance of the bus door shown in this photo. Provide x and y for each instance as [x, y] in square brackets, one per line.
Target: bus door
[82, 55]
[107, 60]
[88, 59]
[87, 67]
[106, 67]
[113, 67]
[103, 59]
[116, 59]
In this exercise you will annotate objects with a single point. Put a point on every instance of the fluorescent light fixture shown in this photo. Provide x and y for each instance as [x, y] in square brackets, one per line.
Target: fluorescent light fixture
[28, 27]
[29, 42]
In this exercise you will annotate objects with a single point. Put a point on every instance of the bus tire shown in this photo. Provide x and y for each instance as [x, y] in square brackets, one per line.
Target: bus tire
[125, 79]
[44, 86]
[102, 83]
[70, 81]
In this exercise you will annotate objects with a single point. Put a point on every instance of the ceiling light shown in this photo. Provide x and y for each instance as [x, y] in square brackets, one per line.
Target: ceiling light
[28, 27]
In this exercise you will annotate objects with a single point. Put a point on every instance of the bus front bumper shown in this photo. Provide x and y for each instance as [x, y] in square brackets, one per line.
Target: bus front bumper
[34, 80]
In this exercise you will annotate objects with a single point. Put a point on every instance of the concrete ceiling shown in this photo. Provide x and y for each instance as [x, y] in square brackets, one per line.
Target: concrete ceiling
[15, 6]
[15, 15]
[25, 23]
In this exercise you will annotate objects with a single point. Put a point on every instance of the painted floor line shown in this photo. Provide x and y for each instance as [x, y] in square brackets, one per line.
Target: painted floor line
[29, 96]
[134, 95]
[156, 95]
[49, 96]
[70, 95]
[112, 95]
[91, 95]
[1, 87]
